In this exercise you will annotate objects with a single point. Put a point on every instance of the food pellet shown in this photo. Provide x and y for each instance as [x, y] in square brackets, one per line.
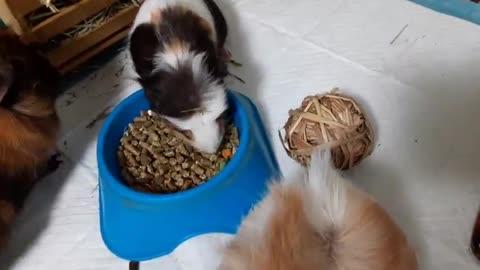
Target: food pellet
[154, 160]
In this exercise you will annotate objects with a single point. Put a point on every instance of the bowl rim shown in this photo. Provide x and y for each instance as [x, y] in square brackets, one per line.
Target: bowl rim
[106, 176]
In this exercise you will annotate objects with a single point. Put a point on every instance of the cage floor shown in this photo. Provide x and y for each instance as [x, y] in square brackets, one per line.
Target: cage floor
[414, 70]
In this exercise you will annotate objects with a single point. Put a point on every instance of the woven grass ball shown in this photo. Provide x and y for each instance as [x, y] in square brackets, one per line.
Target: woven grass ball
[332, 120]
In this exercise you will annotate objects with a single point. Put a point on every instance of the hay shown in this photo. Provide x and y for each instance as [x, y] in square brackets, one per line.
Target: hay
[50, 9]
[332, 120]
[49, 5]
[86, 25]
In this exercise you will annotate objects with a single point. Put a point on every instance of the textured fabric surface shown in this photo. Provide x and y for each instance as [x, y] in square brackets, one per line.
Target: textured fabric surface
[414, 70]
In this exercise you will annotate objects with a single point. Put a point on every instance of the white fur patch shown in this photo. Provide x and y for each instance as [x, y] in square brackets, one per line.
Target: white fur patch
[169, 59]
[207, 135]
[324, 194]
[326, 191]
[172, 58]
[144, 14]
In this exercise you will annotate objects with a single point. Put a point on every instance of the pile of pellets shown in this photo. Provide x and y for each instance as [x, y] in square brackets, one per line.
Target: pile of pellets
[155, 159]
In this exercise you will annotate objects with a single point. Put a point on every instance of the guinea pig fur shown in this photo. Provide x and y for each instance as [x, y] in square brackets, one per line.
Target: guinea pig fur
[177, 48]
[29, 124]
[320, 222]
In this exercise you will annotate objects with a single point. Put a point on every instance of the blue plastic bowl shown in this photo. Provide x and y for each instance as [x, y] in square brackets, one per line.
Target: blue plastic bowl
[138, 226]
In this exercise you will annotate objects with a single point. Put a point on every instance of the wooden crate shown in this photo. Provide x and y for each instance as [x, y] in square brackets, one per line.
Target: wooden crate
[73, 51]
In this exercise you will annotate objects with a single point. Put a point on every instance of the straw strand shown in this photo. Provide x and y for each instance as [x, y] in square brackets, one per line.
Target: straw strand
[333, 120]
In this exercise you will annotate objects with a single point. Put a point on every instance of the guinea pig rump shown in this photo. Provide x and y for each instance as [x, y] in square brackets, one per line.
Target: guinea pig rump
[319, 222]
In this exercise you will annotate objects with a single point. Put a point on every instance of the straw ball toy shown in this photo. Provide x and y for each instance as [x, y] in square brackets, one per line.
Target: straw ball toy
[332, 120]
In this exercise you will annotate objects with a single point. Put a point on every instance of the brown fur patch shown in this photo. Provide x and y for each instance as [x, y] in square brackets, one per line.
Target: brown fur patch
[183, 11]
[25, 143]
[7, 212]
[177, 47]
[372, 239]
[207, 27]
[34, 106]
[28, 125]
[29, 130]
[291, 241]
[4, 231]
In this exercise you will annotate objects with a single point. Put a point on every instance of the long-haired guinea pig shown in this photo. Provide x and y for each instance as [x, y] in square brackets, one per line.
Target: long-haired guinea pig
[320, 222]
[177, 47]
[28, 124]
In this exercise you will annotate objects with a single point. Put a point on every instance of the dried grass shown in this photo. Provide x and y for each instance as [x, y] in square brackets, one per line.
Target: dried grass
[83, 27]
[50, 9]
[332, 120]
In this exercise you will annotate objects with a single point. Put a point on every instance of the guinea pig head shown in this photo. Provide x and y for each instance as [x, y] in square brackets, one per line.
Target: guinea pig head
[188, 96]
[182, 71]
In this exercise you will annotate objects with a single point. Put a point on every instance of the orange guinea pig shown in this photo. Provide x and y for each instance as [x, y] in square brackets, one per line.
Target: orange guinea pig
[319, 222]
[28, 124]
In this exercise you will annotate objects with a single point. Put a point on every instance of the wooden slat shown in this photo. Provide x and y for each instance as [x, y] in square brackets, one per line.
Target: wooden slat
[67, 18]
[18, 25]
[75, 46]
[23, 7]
[93, 51]
[9, 19]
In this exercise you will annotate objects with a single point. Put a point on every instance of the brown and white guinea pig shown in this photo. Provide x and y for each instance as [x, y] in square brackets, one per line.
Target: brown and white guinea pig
[177, 47]
[28, 124]
[320, 222]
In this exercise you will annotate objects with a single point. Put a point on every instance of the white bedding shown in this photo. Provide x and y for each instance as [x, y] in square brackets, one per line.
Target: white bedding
[421, 90]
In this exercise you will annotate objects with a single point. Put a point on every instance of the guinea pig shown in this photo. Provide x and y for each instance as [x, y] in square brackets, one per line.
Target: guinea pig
[319, 222]
[29, 125]
[177, 48]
